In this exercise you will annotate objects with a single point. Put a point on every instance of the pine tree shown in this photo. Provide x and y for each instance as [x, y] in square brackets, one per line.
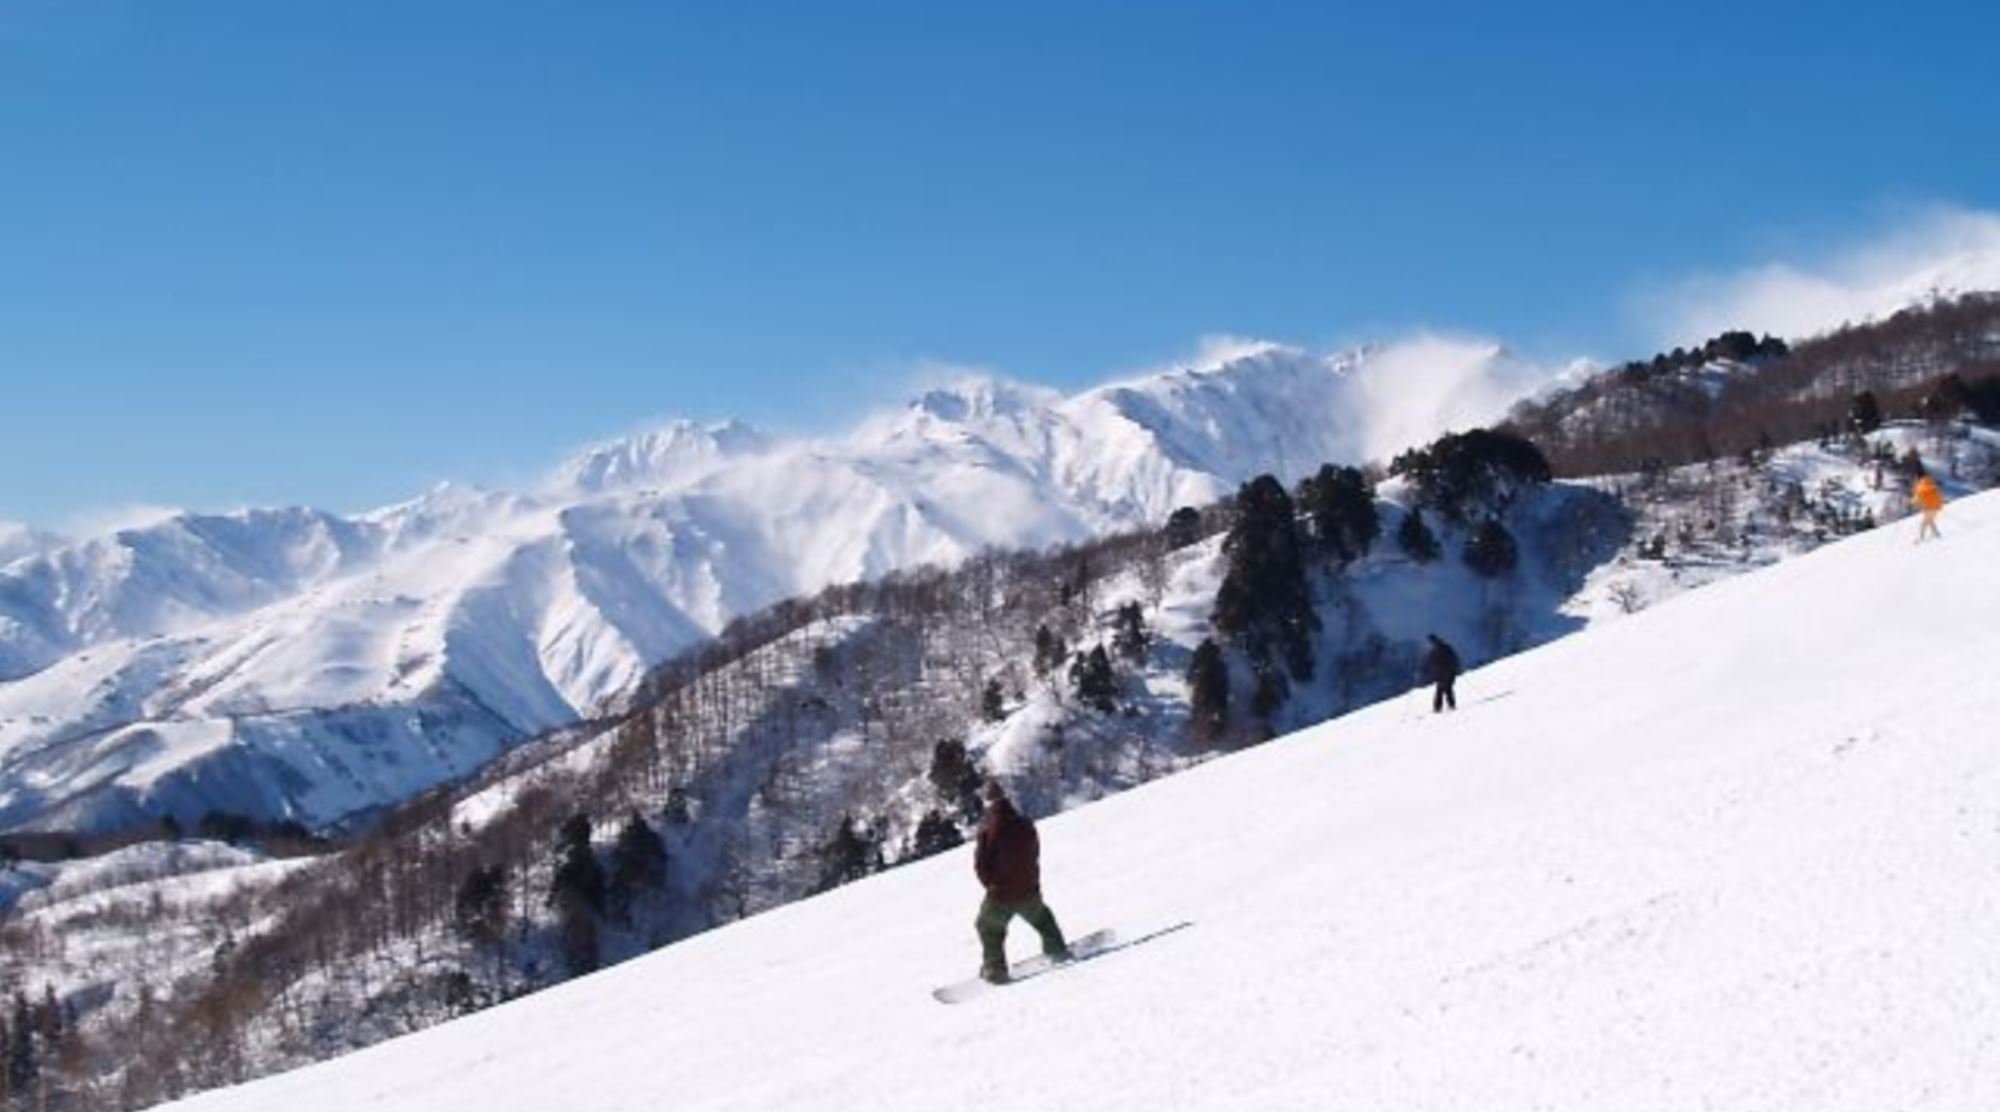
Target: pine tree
[1128, 634]
[1339, 504]
[638, 867]
[1269, 694]
[1183, 527]
[479, 910]
[49, 1018]
[1050, 652]
[853, 852]
[577, 893]
[1091, 678]
[22, 1065]
[1481, 469]
[1491, 550]
[1264, 603]
[956, 776]
[1865, 414]
[993, 702]
[1416, 539]
[1208, 692]
[935, 834]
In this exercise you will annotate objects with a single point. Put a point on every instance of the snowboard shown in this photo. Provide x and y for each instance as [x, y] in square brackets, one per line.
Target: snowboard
[1080, 949]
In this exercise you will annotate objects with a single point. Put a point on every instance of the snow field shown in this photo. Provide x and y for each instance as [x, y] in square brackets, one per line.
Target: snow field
[1739, 851]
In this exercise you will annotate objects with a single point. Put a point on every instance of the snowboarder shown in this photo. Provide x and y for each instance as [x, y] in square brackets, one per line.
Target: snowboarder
[1441, 668]
[1930, 500]
[1007, 859]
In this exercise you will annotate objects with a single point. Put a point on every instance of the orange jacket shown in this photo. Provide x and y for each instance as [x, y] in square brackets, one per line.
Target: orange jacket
[1928, 495]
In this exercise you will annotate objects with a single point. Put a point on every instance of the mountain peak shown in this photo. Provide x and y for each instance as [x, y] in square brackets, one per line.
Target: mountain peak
[670, 455]
[970, 397]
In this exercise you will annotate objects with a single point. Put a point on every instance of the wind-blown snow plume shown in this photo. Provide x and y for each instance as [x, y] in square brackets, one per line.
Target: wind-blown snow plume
[1942, 251]
[297, 664]
[1408, 392]
[18, 541]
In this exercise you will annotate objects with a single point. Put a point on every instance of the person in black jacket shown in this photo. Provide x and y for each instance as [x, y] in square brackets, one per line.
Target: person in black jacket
[1007, 860]
[1441, 668]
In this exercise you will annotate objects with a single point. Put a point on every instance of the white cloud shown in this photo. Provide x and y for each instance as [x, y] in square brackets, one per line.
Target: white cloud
[1936, 250]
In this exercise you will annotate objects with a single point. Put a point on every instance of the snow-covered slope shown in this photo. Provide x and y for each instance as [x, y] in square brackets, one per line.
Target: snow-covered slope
[298, 664]
[1734, 852]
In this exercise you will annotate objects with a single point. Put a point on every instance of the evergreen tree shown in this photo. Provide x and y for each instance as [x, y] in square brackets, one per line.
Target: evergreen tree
[1491, 551]
[935, 834]
[1208, 691]
[1339, 504]
[956, 776]
[1091, 678]
[853, 852]
[1264, 603]
[1050, 651]
[479, 910]
[1865, 414]
[1183, 527]
[49, 1019]
[638, 866]
[1416, 539]
[1269, 694]
[577, 893]
[22, 1065]
[993, 702]
[225, 826]
[1481, 469]
[1128, 633]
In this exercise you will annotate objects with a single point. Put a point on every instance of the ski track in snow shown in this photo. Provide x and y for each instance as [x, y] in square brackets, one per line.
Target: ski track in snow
[1740, 851]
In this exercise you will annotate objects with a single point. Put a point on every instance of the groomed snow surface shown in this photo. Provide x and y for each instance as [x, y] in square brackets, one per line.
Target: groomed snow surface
[1738, 852]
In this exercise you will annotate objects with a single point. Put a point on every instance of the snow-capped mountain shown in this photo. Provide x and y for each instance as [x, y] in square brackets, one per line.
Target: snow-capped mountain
[298, 664]
[1733, 852]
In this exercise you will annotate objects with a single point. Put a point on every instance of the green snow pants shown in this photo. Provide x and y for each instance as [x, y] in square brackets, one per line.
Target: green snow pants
[992, 928]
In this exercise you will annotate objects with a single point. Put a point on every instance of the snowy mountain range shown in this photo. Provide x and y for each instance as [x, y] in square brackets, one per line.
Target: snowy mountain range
[1732, 852]
[298, 664]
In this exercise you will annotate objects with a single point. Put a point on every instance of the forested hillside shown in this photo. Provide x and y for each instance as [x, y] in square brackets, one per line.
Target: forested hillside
[1738, 393]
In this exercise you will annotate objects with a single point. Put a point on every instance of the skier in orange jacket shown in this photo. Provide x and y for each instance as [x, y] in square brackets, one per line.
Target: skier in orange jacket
[1930, 500]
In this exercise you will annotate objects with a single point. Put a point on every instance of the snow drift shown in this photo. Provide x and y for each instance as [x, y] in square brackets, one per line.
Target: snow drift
[1736, 851]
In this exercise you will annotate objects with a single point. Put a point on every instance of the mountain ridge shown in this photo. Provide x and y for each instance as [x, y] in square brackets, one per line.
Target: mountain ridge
[346, 662]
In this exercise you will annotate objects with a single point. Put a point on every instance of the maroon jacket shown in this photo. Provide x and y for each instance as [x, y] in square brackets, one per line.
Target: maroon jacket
[1008, 857]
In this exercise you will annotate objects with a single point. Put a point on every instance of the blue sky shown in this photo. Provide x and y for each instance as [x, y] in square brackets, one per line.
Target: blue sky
[328, 251]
